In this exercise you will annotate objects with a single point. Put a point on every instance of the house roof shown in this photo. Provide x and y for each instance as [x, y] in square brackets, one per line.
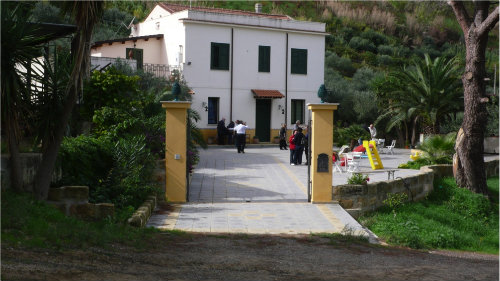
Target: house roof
[174, 8]
[123, 40]
[267, 94]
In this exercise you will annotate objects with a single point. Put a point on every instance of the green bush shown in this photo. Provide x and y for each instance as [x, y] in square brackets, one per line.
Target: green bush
[384, 60]
[416, 164]
[438, 149]
[119, 173]
[343, 136]
[362, 44]
[374, 37]
[85, 160]
[385, 50]
[358, 178]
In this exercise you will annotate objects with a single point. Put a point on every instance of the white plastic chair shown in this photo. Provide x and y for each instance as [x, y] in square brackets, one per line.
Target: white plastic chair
[380, 145]
[353, 161]
[390, 147]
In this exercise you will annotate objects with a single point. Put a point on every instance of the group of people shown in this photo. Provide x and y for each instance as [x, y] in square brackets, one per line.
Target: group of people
[235, 130]
[299, 143]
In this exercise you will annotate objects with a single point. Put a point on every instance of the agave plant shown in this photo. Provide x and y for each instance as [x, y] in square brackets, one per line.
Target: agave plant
[439, 149]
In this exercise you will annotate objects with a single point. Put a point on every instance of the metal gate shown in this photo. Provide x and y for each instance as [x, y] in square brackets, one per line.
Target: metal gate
[308, 158]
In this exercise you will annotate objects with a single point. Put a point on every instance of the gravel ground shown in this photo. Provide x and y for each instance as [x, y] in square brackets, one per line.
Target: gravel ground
[245, 257]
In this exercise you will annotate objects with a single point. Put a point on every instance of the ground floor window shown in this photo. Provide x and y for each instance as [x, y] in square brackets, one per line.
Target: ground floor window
[213, 110]
[297, 111]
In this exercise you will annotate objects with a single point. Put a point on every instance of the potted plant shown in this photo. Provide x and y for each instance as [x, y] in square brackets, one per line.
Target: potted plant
[255, 139]
[276, 140]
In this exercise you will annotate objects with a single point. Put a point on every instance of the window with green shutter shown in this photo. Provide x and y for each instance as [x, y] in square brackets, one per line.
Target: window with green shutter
[264, 58]
[219, 56]
[298, 61]
[297, 111]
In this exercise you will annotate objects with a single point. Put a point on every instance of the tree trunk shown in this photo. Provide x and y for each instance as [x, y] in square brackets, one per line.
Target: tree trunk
[16, 179]
[470, 172]
[80, 46]
[469, 160]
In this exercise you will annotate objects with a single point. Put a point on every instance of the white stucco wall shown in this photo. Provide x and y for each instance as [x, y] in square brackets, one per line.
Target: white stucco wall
[153, 50]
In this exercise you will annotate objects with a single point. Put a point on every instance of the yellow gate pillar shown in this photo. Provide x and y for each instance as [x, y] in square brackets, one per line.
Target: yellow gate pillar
[321, 151]
[175, 150]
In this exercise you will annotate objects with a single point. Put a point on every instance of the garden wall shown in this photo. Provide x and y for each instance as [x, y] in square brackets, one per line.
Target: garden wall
[74, 201]
[29, 166]
[359, 199]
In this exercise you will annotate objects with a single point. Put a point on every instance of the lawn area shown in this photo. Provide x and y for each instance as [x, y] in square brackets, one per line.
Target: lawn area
[451, 218]
[32, 223]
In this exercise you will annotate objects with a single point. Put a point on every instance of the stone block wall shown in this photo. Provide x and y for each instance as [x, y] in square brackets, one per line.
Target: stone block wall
[29, 166]
[143, 213]
[74, 201]
[359, 199]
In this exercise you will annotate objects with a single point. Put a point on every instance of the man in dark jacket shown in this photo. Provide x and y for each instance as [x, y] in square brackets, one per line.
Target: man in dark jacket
[299, 146]
[221, 131]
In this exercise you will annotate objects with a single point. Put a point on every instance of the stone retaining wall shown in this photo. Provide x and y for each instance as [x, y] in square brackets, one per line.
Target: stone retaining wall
[359, 199]
[29, 166]
[142, 214]
[74, 201]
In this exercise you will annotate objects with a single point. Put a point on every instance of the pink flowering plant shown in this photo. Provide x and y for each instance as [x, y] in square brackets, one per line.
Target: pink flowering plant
[358, 178]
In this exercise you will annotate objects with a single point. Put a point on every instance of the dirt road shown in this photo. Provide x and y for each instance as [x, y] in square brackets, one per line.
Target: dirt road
[243, 257]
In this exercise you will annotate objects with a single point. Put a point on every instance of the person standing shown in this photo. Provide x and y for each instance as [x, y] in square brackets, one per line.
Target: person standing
[230, 132]
[373, 131]
[306, 146]
[283, 137]
[240, 130]
[292, 148]
[296, 125]
[221, 131]
[299, 146]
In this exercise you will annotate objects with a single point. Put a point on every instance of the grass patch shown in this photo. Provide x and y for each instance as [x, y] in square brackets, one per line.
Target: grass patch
[347, 235]
[31, 223]
[451, 218]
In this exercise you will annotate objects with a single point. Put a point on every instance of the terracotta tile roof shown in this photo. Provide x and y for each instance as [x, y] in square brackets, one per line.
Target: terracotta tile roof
[267, 94]
[174, 8]
[122, 40]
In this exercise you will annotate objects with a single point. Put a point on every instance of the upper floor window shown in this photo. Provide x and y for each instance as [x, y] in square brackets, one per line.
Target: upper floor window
[299, 61]
[297, 111]
[264, 58]
[219, 56]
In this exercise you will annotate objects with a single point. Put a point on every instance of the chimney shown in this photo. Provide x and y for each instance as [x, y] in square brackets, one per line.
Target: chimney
[258, 8]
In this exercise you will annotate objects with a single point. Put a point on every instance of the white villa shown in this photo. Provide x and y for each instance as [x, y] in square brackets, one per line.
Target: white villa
[250, 66]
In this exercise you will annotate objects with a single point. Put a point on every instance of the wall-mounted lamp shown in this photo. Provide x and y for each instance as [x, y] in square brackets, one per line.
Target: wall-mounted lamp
[280, 106]
[204, 105]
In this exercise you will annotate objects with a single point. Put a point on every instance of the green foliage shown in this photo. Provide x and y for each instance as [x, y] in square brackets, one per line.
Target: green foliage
[374, 37]
[362, 44]
[85, 161]
[32, 223]
[341, 64]
[116, 172]
[416, 164]
[438, 149]
[358, 178]
[111, 88]
[493, 117]
[451, 218]
[395, 201]
[345, 135]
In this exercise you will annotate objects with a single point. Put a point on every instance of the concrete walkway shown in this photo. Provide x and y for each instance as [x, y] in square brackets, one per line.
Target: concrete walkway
[259, 192]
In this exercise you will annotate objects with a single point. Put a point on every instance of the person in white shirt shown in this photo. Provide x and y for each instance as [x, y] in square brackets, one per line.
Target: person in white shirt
[373, 131]
[240, 130]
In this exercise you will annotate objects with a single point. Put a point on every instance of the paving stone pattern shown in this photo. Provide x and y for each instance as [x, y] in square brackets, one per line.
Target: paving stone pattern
[259, 192]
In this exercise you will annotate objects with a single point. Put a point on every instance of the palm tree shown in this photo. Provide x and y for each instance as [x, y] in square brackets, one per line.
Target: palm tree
[428, 93]
[86, 14]
[20, 46]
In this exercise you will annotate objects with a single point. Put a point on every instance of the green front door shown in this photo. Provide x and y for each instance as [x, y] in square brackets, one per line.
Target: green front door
[263, 119]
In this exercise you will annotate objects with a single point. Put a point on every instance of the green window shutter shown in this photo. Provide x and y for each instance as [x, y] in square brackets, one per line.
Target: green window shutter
[264, 58]
[214, 55]
[219, 56]
[298, 61]
[224, 56]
